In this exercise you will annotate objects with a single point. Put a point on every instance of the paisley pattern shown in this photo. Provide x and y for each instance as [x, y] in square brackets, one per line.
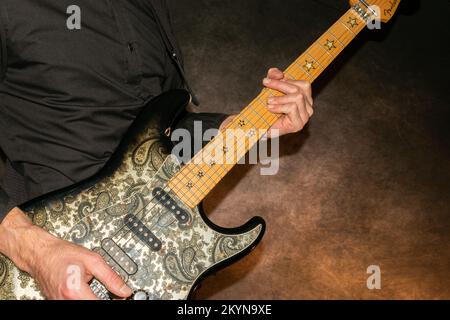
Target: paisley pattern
[87, 217]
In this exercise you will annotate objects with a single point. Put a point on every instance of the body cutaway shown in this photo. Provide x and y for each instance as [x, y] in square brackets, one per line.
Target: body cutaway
[128, 214]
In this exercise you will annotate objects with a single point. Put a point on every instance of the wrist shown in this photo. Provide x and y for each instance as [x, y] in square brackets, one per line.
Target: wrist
[20, 239]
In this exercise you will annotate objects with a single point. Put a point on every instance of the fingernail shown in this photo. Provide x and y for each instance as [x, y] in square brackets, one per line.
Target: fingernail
[269, 106]
[271, 100]
[126, 291]
[266, 81]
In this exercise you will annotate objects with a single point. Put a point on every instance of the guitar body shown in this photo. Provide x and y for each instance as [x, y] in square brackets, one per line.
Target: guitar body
[127, 214]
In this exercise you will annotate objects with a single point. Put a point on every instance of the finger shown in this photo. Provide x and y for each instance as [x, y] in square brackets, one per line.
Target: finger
[281, 86]
[303, 114]
[306, 89]
[303, 111]
[289, 98]
[109, 278]
[282, 108]
[298, 118]
[275, 73]
[292, 113]
[298, 99]
[309, 109]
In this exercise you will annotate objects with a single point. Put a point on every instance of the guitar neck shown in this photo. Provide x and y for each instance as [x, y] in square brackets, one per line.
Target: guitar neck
[197, 178]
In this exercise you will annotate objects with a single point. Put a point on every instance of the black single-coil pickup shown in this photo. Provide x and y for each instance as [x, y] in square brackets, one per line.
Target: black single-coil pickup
[163, 197]
[142, 232]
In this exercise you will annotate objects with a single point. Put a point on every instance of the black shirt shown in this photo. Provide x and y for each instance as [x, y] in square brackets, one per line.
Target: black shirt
[68, 95]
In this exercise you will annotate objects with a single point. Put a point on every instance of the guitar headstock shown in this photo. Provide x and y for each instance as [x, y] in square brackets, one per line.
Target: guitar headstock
[384, 8]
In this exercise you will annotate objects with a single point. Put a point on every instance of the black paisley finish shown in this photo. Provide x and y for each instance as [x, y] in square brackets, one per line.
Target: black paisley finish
[166, 249]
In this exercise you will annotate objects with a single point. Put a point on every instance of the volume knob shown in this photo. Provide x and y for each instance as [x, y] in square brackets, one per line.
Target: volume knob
[140, 295]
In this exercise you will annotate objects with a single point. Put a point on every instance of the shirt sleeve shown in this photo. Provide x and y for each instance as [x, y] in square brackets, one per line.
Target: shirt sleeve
[12, 188]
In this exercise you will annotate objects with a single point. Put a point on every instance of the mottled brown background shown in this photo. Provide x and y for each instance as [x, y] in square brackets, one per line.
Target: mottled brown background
[366, 183]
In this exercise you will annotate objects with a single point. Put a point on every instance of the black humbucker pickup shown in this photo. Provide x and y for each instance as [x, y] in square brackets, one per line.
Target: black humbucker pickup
[163, 197]
[142, 232]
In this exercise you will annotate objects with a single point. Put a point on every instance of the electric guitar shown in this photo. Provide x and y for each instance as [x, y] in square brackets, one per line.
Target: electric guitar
[142, 212]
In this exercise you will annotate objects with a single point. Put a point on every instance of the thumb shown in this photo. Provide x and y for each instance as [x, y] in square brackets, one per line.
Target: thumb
[109, 278]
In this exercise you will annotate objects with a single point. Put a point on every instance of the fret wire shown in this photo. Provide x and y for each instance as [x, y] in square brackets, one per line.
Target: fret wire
[212, 176]
[316, 61]
[188, 194]
[345, 25]
[326, 59]
[214, 169]
[235, 143]
[257, 117]
[274, 116]
[260, 113]
[302, 75]
[313, 72]
[342, 45]
[263, 109]
[345, 29]
[346, 36]
[323, 48]
[221, 166]
[249, 116]
[198, 187]
[190, 190]
[186, 178]
[291, 69]
[193, 195]
[199, 169]
[289, 74]
[297, 65]
[298, 74]
[297, 71]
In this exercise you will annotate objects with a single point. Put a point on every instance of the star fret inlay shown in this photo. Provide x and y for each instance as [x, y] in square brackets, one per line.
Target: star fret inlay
[330, 45]
[242, 123]
[309, 65]
[352, 22]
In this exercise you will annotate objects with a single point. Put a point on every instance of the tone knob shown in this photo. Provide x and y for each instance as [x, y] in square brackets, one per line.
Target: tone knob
[140, 295]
